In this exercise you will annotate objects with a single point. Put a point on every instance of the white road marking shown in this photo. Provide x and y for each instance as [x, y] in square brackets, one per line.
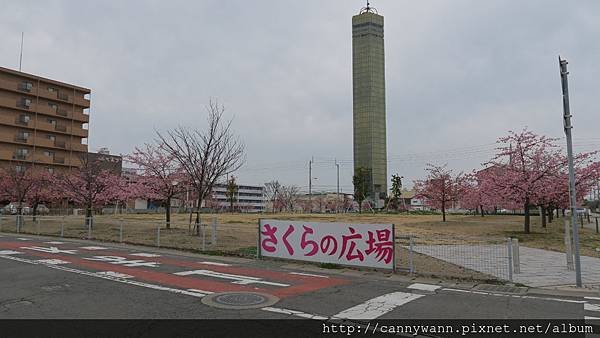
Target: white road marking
[9, 252]
[123, 261]
[54, 242]
[592, 298]
[114, 274]
[591, 318]
[215, 263]
[307, 274]
[144, 254]
[294, 313]
[424, 287]
[591, 307]
[52, 261]
[23, 239]
[517, 296]
[200, 291]
[52, 249]
[238, 279]
[115, 279]
[377, 307]
[92, 248]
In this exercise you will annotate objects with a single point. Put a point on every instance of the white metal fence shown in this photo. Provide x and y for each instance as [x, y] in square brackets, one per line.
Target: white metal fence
[468, 258]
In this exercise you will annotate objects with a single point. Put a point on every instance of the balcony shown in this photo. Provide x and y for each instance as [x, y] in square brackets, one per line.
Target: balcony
[62, 112]
[21, 139]
[58, 160]
[61, 128]
[81, 101]
[22, 122]
[23, 103]
[20, 157]
[60, 144]
[63, 97]
[79, 147]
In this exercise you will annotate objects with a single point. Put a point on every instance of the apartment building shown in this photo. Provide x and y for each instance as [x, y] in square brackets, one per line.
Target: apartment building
[248, 198]
[42, 122]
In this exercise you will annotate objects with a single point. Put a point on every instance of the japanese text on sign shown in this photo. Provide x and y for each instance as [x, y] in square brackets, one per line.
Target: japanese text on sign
[369, 245]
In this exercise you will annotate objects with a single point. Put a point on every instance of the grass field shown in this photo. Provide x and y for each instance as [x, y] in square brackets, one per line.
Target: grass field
[237, 233]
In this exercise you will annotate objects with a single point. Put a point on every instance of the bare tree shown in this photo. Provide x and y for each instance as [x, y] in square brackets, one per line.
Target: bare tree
[272, 190]
[207, 155]
[289, 196]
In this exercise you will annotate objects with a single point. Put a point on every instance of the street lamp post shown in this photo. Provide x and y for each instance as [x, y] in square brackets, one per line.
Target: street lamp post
[573, 194]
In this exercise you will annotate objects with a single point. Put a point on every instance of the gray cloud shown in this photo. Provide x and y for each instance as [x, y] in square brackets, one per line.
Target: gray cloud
[459, 74]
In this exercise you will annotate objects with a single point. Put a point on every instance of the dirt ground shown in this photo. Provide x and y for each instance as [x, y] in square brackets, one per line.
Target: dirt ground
[236, 234]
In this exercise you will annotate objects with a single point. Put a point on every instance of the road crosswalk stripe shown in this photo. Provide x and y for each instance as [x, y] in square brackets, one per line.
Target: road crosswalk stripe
[424, 287]
[378, 306]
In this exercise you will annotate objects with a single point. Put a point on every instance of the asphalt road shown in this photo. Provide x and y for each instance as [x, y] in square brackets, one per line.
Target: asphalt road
[43, 278]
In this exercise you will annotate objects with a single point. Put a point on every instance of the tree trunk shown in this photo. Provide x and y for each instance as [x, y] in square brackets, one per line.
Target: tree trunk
[34, 211]
[360, 207]
[550, 215]
[168, 213]
[88, 215]
[543, 212]
[443, 211]
[527, 217]
[481, 207]
[198, 215]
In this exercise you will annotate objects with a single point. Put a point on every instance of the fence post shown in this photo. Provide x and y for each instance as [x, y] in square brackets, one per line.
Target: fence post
[158, 236]
[18, 223]
[510, 259]
[62, 227]
[37, 226]
[516, 257]
[596, 224]
[411, 265]
[89, 223]
[120, 230]
[203, 236]
[214, 232]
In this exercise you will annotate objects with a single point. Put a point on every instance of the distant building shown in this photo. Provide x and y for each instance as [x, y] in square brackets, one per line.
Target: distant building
[369, 117]
[112, 163]
[248, 198]
[43, 122]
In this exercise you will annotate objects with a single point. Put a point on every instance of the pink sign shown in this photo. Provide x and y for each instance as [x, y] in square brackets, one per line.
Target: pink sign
[370, 245]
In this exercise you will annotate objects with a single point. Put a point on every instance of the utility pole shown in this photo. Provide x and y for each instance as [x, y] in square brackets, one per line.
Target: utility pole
[337, 205]
[310, 184]
[21, 53]
[568, 127]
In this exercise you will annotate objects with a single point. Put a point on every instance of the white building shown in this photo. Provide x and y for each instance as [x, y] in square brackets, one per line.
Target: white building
[248, 198]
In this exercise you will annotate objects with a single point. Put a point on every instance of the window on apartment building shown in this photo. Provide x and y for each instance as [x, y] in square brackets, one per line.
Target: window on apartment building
[23, 135]
[24, 118]
[52, 90]
[20, 168]
[24, 103]
[51, 137]
[22, 152]
[48, 153]
[54, 106]
[25, 86]
[51, 121]
[50, 170]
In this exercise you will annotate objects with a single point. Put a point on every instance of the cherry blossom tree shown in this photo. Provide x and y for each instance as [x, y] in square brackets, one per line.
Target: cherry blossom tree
[440, 188]
[91, 185]
[529, 170]
[16, 182]
[160, 176]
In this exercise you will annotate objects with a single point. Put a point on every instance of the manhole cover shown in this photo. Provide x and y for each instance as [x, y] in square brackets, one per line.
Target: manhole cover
[239, 300]
[500, 288]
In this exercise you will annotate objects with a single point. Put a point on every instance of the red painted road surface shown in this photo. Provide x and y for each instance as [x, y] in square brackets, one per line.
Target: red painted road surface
[177, 273]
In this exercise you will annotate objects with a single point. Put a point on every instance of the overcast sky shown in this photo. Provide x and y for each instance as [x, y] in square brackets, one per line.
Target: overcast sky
[459, 74]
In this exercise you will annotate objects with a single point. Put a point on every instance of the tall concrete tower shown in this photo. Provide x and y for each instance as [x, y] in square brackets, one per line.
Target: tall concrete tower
[368, 79]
